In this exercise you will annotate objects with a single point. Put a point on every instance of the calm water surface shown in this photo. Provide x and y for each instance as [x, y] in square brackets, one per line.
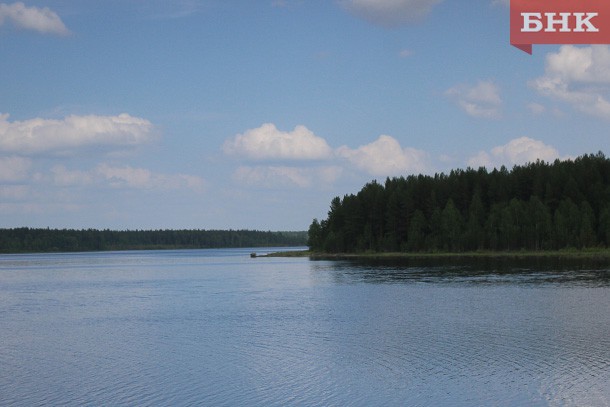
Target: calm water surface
[216, 328]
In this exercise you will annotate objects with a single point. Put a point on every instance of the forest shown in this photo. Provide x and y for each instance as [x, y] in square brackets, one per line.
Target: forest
[21, 240]
[534, 207]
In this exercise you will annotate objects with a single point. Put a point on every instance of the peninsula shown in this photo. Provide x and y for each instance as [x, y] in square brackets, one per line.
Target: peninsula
[562, 206]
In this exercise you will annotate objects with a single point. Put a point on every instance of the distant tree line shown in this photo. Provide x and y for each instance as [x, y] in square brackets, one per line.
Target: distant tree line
[70, 240]
[538, 206]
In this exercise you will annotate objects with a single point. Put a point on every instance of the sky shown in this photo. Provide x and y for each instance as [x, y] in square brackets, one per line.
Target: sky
[254, 114]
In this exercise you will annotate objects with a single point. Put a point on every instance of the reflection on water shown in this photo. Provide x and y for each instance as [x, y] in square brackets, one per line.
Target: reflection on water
[218, 328]
[536, 271]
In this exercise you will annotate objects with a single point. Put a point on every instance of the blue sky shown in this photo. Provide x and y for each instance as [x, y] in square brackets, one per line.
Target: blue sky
[142, 114]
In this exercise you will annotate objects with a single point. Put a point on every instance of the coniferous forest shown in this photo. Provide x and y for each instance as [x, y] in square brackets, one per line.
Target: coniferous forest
[69, 240]
[534, 207]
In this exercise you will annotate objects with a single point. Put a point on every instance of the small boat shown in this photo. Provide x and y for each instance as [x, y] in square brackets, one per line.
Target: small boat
[253, 255]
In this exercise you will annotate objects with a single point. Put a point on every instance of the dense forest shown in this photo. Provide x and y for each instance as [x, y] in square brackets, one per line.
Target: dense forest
[538, 206]
[68, 240]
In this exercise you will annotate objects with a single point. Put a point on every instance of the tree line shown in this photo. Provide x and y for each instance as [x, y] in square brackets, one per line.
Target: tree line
[538, 206]
[19, 240]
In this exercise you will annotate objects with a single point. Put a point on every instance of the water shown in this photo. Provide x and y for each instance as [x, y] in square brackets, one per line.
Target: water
[217, 328]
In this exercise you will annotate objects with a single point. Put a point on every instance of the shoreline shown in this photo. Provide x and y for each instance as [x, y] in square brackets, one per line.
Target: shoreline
[587, 254]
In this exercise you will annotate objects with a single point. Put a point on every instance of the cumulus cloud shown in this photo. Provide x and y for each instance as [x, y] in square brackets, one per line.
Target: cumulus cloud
[516, 152]
[73, 133]
[13, 169]
[269, 143]
[579, 77]
[480, 100]
[390, 13]
[385, 157]
[42, 20]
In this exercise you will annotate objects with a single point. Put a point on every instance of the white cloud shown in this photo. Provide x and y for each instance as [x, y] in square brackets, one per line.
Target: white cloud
[14, 169]
[480, 100]
[73, 133]
[42, 20]
[517, 152]
[140, 178]
[284, 176]
[269, 143]
[390, 13]
[579, 77]
[385, 157]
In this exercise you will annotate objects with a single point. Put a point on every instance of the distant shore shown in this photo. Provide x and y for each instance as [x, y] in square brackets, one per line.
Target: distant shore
[40, 240]
[569, 254]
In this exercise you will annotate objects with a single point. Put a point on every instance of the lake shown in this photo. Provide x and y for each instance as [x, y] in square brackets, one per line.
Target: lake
[217, 328]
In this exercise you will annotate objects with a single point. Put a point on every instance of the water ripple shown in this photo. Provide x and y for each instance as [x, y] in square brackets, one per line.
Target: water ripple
[195, 332]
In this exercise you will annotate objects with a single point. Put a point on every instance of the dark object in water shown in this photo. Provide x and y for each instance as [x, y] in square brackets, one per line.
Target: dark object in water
[253, 255]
